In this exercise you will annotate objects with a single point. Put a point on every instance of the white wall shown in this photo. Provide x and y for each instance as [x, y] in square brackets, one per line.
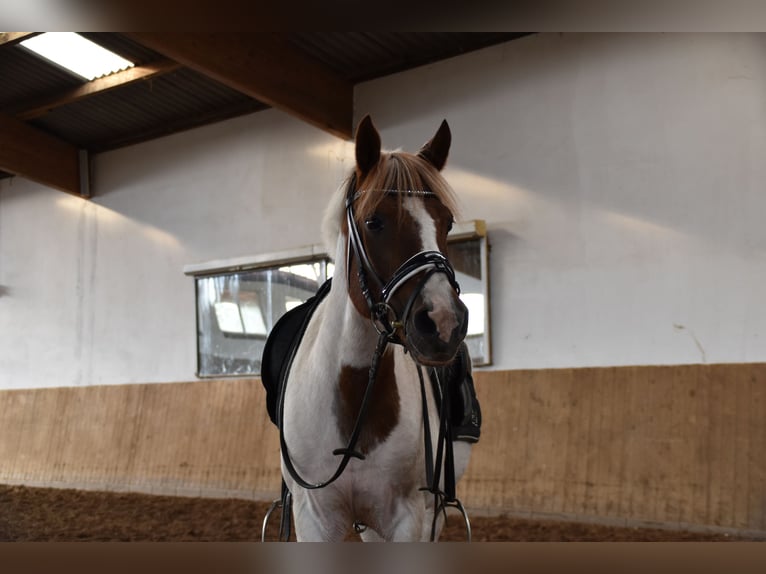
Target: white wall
[94, 292]
[621, 177]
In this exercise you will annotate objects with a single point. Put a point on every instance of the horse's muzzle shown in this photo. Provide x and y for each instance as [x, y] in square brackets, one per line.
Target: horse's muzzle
[434, 334]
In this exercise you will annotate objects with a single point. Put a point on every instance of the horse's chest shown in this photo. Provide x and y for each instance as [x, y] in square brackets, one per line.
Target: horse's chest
[383, 409]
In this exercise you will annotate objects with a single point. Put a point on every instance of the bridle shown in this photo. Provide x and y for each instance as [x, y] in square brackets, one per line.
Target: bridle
[427, 262]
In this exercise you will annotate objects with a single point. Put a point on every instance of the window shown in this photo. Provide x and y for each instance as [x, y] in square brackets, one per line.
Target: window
[240, 300]
[468, 251]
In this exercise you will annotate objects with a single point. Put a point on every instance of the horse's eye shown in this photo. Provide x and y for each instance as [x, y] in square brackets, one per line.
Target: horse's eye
[449, 224]
[374, 223]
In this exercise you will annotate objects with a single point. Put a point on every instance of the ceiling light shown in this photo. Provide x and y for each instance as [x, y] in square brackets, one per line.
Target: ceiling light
[77, 54]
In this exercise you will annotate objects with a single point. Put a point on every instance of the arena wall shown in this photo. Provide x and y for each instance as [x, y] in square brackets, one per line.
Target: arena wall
[677, 446]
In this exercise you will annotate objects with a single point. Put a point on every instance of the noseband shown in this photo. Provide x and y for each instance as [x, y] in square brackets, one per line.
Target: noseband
[383, 316]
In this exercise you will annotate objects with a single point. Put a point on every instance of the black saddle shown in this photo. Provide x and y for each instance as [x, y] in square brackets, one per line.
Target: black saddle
[283, 339]
[465, 413]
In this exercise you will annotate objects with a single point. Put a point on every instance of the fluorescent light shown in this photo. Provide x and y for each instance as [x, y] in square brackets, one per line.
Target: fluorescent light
[77, 54]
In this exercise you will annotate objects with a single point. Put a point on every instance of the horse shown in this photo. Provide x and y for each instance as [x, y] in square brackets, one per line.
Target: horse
[355, 378]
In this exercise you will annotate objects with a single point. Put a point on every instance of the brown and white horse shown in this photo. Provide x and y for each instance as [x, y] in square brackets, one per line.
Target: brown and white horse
[388, 229]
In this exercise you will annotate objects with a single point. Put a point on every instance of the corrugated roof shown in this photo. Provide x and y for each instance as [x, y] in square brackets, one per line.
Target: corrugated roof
[143, 110]
[25, 76]
[362, 56]
[182, 98]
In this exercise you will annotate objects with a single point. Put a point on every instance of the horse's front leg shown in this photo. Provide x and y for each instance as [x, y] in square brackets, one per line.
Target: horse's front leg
[319, 517]
[406, 521]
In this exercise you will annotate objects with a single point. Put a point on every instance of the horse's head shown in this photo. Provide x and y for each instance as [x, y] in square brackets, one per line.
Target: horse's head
[399, 210]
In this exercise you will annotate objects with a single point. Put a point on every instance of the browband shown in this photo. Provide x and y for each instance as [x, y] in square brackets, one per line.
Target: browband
[410, 192]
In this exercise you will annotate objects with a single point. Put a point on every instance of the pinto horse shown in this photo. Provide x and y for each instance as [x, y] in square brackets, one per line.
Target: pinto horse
[355, 380]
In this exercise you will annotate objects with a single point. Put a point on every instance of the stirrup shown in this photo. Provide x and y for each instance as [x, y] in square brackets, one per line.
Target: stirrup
[274, 505]
[442, 508]
[285, 504]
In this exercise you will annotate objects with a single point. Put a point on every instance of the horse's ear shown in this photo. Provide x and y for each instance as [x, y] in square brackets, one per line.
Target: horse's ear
[436, 149]
[367, 146]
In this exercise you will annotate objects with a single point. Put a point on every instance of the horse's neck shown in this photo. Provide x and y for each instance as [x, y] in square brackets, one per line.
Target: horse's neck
[345, 332]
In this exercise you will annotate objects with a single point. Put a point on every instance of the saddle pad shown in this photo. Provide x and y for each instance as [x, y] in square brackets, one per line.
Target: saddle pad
[285, 336]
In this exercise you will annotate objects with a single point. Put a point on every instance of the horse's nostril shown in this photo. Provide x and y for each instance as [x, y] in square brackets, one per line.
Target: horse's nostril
[424, 324]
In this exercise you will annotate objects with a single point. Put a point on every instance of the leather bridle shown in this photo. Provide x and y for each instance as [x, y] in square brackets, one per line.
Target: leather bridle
[426, 262]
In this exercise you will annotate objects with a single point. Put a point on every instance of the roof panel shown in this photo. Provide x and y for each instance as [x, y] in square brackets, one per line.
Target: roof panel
[123, 46]
[26, 75]
[168, 103]
[361, 56]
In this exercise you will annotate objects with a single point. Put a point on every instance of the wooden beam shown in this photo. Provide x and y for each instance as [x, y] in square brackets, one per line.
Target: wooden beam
[41, 106]
[36, 155]
[265, 67]
[10, 38]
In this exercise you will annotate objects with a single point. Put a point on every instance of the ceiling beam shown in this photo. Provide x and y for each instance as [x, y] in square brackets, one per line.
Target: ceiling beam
[10, 38]
[41, 106]
[36, 155]
[265, 66]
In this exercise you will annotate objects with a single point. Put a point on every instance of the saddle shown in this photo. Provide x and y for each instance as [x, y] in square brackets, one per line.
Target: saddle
[283, 339]
[465, 412]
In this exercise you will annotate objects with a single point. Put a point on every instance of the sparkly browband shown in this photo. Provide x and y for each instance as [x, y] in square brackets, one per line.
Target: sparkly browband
[411, 192]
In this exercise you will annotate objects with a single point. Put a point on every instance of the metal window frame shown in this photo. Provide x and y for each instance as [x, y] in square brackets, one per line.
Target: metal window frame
[461, 231]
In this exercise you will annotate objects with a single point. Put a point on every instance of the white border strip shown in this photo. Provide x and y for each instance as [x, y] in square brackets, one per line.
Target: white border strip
[460, 231]
[255, 261]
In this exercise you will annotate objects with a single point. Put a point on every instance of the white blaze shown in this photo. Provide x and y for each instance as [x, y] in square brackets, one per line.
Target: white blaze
[437, 292]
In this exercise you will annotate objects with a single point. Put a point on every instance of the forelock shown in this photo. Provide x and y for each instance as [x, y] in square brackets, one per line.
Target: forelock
[401, 171]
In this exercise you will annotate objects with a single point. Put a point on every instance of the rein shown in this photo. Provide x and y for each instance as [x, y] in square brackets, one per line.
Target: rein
[349, 451]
